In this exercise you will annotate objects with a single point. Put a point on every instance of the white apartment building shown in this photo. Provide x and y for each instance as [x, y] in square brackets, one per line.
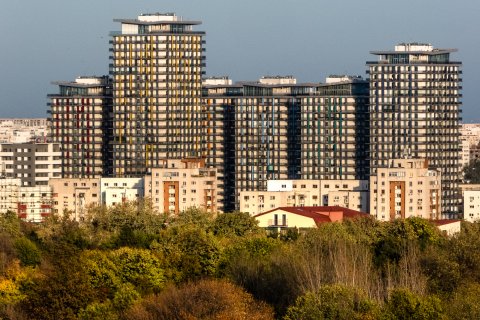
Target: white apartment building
[351, 194]
[471, 205]
[30, 203]
[181, 184]
[23, 130]
[407, 188]
[114, 191]
[33, 163]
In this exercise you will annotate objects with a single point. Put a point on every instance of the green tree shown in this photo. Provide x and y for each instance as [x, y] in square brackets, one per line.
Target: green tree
[405, 305]
[236, 224]
[472, 172]
[333, 302]
[27, 252]
[139, 267]
[192, 216]
[133, 224]
[464, 303]
[188, 252]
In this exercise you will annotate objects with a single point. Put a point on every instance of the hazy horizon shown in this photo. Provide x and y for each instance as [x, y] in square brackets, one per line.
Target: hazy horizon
[57, 40]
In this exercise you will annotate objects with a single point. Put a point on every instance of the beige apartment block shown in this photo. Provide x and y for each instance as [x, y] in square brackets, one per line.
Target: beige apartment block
[407, 188]
[351, 194]
[181, 184]
[74, 195]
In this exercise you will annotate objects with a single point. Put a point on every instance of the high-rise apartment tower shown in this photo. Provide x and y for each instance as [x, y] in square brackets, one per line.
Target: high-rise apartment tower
[157, 66]
[80, 121]
[415, 112]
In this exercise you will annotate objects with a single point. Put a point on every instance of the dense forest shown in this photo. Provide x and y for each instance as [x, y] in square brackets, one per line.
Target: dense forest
[127, 262]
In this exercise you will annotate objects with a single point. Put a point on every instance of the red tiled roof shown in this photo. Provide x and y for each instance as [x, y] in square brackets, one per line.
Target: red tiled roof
[444, 222]
[320, 214]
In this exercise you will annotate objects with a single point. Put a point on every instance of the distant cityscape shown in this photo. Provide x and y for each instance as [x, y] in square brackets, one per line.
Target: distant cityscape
[156, 128]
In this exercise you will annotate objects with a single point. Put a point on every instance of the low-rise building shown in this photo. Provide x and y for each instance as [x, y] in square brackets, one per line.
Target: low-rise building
[23, 130]
[449, 227]
[471, 203]
[30, 203]
[74, 195]
[352, 194]
[407, 188]
[114, 191]
[304, 217]
[180, 184]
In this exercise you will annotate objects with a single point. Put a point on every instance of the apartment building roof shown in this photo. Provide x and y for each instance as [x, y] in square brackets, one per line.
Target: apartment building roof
[320, 214]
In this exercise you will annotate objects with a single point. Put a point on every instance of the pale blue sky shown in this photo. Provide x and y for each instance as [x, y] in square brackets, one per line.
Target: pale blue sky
[48, 40]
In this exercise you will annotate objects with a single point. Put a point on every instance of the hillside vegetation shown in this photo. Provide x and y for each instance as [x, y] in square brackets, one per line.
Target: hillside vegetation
[128, 262]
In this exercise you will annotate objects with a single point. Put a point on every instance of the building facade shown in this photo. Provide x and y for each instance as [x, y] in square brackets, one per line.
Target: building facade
[80, 121]
[335, 130]
[23, 130]
[74, 195]
[157, 67]
[276, 129]
[114, 191]
[32, 163]
[352, 194]
[181, 184]
[407, 188]
[415, 111]
[30, 203]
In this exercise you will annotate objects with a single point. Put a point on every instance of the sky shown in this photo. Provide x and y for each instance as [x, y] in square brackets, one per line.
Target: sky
[51, 40]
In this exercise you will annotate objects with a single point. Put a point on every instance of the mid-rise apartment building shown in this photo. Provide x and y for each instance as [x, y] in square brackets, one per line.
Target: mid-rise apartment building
[32, 163]
[406, 188]
[80, 121]
[157, 64]
[74, 195]
[115, 191]
[25, 130]
[30, 203]
[181, 184]
[351, 194]
[415, 111]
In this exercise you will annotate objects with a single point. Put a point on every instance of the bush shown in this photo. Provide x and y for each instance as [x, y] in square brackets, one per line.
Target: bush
[333, 302]
[27, 252]
[205, 299]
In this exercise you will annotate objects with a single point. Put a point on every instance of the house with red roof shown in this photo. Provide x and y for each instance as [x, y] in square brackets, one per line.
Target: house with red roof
[305, 217]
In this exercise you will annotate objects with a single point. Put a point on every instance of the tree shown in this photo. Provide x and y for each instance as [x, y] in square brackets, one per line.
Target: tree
[205, 299]
[236, 224]
[139, 267]
[192, 216]
[333, 302]
[472, 172]
[405, 305]
[27, 252]
[464, 303]
[188, 252]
